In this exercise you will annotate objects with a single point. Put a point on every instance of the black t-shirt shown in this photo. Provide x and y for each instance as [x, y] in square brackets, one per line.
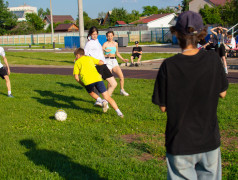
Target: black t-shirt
[139, 49]
[189, 87]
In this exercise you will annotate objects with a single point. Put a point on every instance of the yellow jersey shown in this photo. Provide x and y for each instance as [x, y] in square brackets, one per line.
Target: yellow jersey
[85, 67]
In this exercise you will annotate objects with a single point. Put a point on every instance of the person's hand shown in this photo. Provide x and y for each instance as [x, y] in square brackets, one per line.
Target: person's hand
[125, 60]
[107, 50]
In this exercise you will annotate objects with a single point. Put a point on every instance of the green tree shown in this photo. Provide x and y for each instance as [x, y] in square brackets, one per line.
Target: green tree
[211, 15]
[23, 28]
[229, 13]
[185, 5]
[133, 16]
[42, 13]
[165, 10]
[88, 22]
[118, 14]
[149, 10]
[35, 20]
[7, 19]
[101, 15]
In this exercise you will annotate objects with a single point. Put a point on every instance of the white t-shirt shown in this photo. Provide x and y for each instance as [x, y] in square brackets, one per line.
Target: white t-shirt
[233, 43]
[2, 53]
[93, 48]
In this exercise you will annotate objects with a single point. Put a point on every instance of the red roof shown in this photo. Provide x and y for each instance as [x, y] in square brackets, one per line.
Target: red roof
[60, 18]
[219, 2]
[61, 27]
[120, 22]
[150, 18]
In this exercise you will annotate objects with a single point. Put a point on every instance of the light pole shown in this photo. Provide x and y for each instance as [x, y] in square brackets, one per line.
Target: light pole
[81, 24]
[52, 27]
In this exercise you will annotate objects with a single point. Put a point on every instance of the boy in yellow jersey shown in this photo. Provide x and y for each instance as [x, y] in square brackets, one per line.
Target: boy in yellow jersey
[90, 78]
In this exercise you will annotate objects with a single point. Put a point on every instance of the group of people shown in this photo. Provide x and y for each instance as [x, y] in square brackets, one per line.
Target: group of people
[187, 88]
[221, 41]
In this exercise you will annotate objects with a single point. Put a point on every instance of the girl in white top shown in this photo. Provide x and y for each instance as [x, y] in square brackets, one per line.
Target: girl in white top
[5, 73]
[93, 48]
[111, 50]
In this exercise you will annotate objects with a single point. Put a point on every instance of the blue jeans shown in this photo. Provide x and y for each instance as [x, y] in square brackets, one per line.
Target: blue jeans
[202, 166]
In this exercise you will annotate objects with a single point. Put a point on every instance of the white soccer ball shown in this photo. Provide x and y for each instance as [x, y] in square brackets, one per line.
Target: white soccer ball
[60, 115]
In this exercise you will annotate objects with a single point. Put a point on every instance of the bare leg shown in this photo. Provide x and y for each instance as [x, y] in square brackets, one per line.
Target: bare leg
[118, 71]
[112, 84]
[93, 95]
[138, 61]
[132, 60]
[224, 61]
[8, 83]
[111, 101]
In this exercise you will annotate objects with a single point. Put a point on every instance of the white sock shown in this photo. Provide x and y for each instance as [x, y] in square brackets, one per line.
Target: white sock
[118, 112]
[9, 92]
[99, 99]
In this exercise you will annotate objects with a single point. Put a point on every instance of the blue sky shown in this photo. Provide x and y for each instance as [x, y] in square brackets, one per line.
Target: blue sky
[92, 7]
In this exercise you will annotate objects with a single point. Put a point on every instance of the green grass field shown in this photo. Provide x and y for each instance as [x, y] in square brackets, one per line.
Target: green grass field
[90, 144]
[52, 58]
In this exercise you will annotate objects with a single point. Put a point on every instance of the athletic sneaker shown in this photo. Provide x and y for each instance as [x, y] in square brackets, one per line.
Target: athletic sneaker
[105, 106]
[124, 93]
[121, 115]
[97, 103]
[131, 65]
[11, 96]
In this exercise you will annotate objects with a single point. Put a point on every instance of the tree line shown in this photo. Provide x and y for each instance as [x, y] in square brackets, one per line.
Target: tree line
[225, 15]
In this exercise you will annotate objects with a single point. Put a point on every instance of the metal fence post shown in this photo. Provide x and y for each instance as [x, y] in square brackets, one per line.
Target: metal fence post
[140, 36]
[162, 35]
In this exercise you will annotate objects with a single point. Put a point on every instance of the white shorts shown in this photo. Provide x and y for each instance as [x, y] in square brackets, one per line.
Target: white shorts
[111, 63]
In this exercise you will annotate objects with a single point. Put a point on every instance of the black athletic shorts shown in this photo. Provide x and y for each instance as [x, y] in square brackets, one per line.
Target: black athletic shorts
[220, 50]
[104, 71]
[136, 55]
[98, 85]
[3, 72]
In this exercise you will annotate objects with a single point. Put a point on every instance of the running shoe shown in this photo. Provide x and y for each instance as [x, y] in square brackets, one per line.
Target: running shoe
[105, 106]
[97, 103]
[124, 93]
[11, 96]
[131, 65]
[121, 115]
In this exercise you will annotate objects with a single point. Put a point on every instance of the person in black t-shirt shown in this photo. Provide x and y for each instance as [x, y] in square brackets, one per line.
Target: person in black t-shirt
[188, 87]
[136, 52]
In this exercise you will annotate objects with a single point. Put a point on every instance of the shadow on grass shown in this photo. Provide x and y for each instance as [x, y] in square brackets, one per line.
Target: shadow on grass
[57, 162]
[70, 85]
[53, 100]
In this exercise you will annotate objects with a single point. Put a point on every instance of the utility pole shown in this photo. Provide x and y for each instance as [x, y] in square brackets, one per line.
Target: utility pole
[52, 26]
[81, 24]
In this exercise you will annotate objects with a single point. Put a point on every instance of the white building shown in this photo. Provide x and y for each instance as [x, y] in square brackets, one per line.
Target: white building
[21, 11]
[156, 20]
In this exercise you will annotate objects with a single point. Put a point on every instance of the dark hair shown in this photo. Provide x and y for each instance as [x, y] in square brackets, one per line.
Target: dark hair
[185, 40]
[79, 51]
[92, 30]
[110, 32]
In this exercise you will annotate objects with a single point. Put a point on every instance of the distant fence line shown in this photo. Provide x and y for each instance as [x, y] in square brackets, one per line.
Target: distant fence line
[161, 35]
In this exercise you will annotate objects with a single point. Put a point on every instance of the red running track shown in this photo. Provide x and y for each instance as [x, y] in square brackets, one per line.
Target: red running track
[138, 74]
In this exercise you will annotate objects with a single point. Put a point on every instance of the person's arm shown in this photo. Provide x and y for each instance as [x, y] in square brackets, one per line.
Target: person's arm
[119, 55]
[212, 30]
[6, 63]
[104, 46]
[140, 51]
[76, 76]
[223, 94]
[163, 108]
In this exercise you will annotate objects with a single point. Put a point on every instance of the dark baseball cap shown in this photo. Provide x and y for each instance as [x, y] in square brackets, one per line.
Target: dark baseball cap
[189, 19]
[136, 42]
